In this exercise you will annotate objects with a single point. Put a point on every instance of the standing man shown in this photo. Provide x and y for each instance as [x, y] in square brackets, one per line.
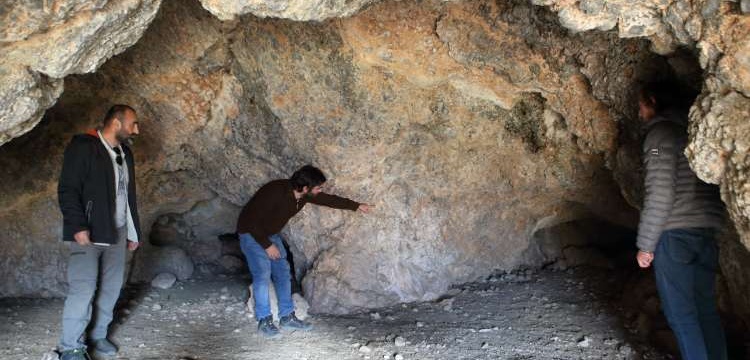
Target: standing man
[100, 219]
[680, 217]
[259, 225]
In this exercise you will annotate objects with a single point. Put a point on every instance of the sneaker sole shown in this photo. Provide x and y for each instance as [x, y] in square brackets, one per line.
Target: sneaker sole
[105, 353]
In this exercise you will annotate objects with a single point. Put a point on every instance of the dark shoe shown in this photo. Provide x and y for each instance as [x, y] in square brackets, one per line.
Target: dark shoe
[291, 322]
[104, 347]
[75, 354]
[267, 328]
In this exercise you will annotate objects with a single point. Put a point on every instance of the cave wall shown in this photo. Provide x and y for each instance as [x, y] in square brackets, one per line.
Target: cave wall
[470, 125]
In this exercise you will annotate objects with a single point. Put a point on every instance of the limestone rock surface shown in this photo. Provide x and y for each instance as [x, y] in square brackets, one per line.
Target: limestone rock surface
[43, 41]
[471, 126]
[301, 10]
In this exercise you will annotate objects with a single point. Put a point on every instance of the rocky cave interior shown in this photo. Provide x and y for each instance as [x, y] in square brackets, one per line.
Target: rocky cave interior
[492, 136]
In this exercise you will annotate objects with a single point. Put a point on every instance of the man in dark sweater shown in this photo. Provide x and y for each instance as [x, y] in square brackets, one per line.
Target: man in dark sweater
[100, 221]
[679, 220]
[259, 225]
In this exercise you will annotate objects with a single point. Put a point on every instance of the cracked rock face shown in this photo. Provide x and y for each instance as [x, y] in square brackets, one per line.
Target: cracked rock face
[471, 126]
[300, 10]
[41, 42]
[414, 107]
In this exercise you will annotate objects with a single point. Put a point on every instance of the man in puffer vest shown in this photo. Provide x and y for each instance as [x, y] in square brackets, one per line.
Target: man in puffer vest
[679, 221]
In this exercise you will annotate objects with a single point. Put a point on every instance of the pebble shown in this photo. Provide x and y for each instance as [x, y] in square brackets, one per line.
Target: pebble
[485, 345]
[584, 342]
[399, 341]
[164, 281]
[375, 316]
[398, 357]
[365, 349]
[156, 307]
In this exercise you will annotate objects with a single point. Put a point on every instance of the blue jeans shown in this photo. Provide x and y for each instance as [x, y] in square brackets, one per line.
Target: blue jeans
[264, 270]
[685, 264]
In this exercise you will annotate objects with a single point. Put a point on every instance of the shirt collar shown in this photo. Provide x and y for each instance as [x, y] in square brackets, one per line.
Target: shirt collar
[110, 149]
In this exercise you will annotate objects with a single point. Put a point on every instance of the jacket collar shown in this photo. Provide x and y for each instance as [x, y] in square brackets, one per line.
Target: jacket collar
[670, 115]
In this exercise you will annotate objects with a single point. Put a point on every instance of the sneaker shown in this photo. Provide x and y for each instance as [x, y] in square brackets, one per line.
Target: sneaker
[267, 327]
[75, 354]
[104, 347]
[293, 323]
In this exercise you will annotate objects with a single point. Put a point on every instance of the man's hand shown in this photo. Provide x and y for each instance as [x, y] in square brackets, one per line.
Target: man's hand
[365, 208]
[82, 238]
[132, 245]
[644, 259]
[273, 252]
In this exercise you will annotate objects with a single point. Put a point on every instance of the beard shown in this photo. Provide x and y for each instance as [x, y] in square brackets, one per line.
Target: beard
[124, 138]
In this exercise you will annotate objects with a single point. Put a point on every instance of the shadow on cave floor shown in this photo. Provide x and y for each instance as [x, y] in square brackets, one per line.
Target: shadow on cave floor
[573, 314]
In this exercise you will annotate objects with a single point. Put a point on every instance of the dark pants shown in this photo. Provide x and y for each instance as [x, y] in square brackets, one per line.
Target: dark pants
[685, 264]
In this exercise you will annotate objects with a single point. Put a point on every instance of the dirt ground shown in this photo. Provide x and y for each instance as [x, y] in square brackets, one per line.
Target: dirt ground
[526, 315]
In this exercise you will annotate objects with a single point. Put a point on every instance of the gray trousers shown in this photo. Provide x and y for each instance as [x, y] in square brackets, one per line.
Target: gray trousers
[89, 266]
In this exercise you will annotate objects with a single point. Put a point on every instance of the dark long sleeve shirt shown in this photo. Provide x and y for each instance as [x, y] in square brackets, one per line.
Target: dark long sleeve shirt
[269, 210]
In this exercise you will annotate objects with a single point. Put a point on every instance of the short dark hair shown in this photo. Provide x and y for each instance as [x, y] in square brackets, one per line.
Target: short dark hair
[668, 94]
[307, 175]
[116, 112]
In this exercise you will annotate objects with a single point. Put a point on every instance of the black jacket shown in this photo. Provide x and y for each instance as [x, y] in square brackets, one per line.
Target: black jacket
[86, 190]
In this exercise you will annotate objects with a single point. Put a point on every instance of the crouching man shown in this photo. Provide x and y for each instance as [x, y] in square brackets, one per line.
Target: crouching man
[259, 224]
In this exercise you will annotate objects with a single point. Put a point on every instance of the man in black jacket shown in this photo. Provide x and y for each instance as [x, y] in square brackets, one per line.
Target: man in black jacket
[100, 220]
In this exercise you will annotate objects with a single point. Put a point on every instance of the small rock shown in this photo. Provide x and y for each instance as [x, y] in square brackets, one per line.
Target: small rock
[156, 307]
[485, 345]
[447, 304]
[625, 350]
[584, 342]
[398, 357]
[50, 355]
[399, 341]
[365, 349]
[420, 324]
[375, 316]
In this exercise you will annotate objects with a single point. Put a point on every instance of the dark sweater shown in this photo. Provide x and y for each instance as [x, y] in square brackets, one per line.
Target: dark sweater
[274, 204]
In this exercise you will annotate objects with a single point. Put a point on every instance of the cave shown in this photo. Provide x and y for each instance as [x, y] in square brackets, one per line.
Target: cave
[498, 140]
